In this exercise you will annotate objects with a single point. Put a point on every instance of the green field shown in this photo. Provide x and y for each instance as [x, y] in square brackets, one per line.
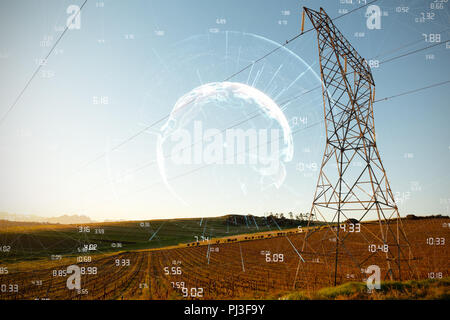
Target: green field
[31, 241]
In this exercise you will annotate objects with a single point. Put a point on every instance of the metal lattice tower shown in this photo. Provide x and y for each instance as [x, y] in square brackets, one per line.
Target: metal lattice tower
[352, 183]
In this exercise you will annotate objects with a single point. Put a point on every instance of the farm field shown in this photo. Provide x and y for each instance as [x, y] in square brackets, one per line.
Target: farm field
[243, 269]
[34, 241]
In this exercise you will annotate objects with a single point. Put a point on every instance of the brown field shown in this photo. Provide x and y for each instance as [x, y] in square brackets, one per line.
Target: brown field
[233, 270]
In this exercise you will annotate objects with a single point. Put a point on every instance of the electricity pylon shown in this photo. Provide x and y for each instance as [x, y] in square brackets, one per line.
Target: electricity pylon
[352, 186]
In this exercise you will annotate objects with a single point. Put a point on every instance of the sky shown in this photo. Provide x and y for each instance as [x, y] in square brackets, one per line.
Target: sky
[79, 140]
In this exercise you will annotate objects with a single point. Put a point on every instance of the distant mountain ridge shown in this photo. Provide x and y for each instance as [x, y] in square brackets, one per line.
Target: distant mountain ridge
[64, 219]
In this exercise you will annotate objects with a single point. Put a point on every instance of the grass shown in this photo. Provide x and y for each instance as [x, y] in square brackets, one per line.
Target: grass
[429, 289]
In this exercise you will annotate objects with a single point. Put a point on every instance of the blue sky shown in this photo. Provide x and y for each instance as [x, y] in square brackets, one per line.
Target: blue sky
[137, 58]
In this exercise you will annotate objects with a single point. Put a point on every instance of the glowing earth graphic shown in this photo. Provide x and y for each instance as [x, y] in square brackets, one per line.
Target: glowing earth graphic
[234, 131]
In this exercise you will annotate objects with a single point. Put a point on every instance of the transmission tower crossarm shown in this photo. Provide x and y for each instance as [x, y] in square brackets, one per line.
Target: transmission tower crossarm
[321, 20]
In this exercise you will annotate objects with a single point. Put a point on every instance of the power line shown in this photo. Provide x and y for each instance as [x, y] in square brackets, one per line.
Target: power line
[414, 51]
[268, 54]
[405, 46]
[125, 141]
[39, 67]
[293, 133]
[394, 58]
[353, 10]
[226, 79]
[413, 91]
